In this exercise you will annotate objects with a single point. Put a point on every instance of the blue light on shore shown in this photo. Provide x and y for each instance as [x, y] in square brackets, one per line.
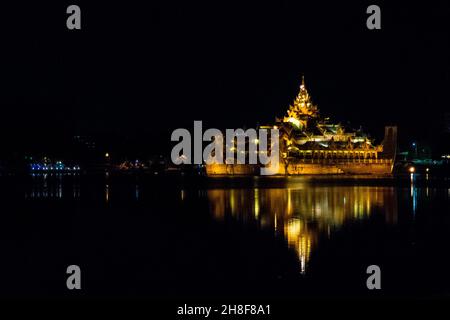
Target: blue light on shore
[58, 166]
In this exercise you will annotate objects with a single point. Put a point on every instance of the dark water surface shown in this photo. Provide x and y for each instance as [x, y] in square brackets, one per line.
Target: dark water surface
[177, 237]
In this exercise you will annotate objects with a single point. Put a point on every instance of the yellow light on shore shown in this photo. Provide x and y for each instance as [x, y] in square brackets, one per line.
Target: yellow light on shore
[107, 155]
[412, 169]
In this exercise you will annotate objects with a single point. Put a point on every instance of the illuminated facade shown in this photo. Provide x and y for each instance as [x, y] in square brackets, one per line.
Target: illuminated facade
[312, 144]
[306, 135]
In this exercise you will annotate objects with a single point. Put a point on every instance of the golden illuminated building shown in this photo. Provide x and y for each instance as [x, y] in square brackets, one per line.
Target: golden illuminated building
[306, 135]
[312, 144]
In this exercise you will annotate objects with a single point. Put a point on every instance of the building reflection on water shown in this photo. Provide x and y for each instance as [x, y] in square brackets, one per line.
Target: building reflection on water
[303, 213]
[50, 186]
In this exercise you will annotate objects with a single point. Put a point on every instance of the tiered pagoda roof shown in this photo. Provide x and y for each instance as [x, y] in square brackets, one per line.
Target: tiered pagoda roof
[304, 128]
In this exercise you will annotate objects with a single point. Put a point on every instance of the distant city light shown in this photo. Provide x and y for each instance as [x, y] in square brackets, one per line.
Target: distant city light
[57, 166]
[412, 169]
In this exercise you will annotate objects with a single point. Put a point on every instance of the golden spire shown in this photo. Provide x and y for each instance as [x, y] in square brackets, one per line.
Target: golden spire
[302, 106]
[303, 99]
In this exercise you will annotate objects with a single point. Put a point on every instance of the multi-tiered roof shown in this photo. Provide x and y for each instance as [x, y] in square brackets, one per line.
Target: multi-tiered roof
[304, 128]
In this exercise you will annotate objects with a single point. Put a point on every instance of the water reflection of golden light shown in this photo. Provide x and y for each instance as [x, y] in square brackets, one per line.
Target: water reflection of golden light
[293, 230]
[107, 193]
[303, 213]
[299, 238]
[256, 203]
[289, 204]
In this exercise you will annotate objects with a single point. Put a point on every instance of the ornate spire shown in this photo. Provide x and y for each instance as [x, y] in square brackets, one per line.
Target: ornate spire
[303, 100]
[302, 106]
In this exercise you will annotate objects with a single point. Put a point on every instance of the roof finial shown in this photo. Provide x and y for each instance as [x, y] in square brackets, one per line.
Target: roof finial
[303, 81]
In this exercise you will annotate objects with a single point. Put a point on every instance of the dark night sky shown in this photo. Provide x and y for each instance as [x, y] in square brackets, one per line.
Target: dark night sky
[141, 70]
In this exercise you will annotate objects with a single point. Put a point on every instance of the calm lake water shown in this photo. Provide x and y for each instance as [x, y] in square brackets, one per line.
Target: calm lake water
[273, 236]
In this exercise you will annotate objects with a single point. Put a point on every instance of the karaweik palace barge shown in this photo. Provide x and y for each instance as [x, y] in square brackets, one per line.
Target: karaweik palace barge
[311, 144]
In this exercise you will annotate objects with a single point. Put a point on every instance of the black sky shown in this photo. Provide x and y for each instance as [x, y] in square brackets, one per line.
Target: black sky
[140, 69]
